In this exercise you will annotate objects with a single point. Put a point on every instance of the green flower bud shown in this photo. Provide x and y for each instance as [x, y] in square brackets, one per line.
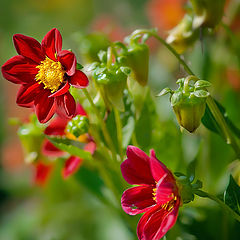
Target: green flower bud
[189, 101]
[137, 58]
[78, 125]
[111, 80]
[183, 35]
[208, 12]
[31, 137]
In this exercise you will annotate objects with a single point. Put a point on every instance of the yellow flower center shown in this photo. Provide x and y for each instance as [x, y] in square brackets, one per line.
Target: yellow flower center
[167, 206]
[51, 74]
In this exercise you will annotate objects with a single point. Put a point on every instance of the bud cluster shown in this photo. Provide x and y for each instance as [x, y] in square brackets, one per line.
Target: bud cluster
[189, 101]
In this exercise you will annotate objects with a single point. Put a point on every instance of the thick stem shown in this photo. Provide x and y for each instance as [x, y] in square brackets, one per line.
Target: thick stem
[203, 194]
[119, 131]
[103, 125]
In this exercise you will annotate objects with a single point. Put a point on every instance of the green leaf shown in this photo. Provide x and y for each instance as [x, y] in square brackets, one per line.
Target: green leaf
[232, 195]
[144, 125]
[202, 84]
[102, 56]
[209, 121]
[91, 181]
[191, 170]
[72, 147]
[176, 97]
[201, 93]
[79, 66]
[92, 66]
[127, 131]
[164, 92]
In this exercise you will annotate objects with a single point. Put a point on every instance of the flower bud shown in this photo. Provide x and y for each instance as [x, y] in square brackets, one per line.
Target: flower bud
[183, 35]
[189, 101]
[137, 58]
[31, 137]
[208, 13]
[78, 125]
[111, 80]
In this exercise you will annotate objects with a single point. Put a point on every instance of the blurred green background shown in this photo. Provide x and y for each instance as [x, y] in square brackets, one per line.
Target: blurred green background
[63, 209]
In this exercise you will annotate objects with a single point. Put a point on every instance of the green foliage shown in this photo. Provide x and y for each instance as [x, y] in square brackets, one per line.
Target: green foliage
[71, 147]
[232, 195]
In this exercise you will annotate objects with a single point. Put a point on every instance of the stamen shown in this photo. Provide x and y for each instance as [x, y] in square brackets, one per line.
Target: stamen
[51, 74]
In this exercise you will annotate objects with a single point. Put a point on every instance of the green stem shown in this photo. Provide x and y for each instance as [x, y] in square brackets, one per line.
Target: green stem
[203, 194]
[119, 131]
[210, 101]
[222, 124]
[103, 125]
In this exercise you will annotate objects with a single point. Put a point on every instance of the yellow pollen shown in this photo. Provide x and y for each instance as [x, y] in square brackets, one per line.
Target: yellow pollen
[82, 138]
[51, 74]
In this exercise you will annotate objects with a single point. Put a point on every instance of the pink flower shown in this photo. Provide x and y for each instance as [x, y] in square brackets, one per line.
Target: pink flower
[157, 195]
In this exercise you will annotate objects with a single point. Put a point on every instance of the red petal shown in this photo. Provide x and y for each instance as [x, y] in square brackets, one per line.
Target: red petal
[68, 60]
[48, 149]
[66, 105]
[27, 94]
[52, 43]
[166, 190]
[72, 164]
[90, 147]
[19, 70]
[28, 47]
[61, 91]
[80, 110]
[79, 80]
[155, 223]
[137, 200]
[42, 173]
[136, 169]
[158, 169]
[56, 127]
[44, 106]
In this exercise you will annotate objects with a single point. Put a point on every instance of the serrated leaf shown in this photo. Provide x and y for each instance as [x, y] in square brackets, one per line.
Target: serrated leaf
[201, 93]
[164, 92]
[176, 97]
[191, 170]
[79, 66]
[69, 146]
[232, 195]
[202, 84]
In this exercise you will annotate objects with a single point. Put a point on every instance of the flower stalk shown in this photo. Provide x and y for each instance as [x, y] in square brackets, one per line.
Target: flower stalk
[203, 194]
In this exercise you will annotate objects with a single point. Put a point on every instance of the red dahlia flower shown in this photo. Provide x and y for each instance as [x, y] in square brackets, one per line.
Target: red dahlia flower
[45, 73]
[157, 194]
[57, 127]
